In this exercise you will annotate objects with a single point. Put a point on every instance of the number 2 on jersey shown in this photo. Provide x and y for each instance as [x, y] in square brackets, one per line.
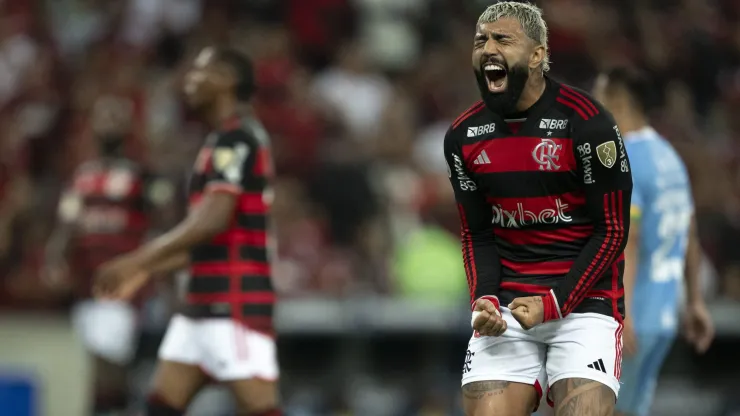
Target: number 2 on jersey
[675, 216]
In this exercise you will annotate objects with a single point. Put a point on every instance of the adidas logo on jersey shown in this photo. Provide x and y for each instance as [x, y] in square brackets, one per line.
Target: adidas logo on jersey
[477, 131]
[553, 124]
[598, 365]
[482, 159]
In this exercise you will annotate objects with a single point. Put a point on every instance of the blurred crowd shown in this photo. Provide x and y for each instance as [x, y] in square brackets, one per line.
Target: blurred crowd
[357, 96]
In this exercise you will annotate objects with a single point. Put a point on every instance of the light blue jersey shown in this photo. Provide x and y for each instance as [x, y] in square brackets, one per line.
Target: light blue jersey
[662, 205]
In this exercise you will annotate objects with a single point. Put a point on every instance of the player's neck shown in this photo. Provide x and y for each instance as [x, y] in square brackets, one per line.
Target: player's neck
[224, 109]
[532, 92]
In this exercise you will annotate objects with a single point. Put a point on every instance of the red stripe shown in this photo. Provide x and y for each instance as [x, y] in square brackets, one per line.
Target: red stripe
[615, 236]
[248, 297]
[263, 164]
[618, 351]
[578, 101]
[525, 287]
[225, 269]
[581, 286]
[237, 236]
[580, 98]
[606, 294]
[520, 154]
[548, 268]
[468, 253]
[543, 290]
[521, 236]
[251, 203]
[469, 112]
[573, 106]
[573, 297]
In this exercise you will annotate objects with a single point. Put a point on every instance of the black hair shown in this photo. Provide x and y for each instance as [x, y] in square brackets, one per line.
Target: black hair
[243, 68]
[636, 83]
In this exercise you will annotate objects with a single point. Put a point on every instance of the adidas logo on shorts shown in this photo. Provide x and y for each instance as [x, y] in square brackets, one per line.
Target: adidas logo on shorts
[598, 365]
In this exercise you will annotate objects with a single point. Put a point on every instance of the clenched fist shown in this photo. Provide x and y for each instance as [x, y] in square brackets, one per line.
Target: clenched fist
[528, 311]
[487, 319]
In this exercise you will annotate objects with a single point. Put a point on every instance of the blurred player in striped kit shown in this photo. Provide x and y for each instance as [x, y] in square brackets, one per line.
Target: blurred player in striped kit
[662, 250]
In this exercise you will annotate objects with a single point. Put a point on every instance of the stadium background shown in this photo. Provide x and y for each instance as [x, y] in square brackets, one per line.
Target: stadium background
[357, 95]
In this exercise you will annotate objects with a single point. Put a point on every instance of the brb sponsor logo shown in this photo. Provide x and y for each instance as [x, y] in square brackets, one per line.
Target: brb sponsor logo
[479, 130]
[546, 154]
[521, 217]
[553, 124]
[584, 152]
[466, 184]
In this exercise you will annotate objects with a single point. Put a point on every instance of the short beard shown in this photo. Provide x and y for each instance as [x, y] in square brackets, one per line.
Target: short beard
[505, 102]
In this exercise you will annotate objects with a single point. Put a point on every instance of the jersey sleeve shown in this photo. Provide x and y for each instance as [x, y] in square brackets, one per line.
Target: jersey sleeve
[604, 170]
[480, 255]
[233, 159]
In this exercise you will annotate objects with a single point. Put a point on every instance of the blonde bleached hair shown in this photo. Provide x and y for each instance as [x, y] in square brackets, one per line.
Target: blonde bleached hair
[528, 15]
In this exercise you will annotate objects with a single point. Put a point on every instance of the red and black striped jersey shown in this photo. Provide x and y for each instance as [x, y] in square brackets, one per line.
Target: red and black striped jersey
[110, 202]
[230, 276]
[544, 202]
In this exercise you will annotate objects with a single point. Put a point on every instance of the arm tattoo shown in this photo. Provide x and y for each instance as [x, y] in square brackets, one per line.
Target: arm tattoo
[483, 389]
[582, 397]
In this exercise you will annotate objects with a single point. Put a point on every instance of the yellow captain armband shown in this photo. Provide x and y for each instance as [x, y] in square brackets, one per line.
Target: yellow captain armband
[635, 212]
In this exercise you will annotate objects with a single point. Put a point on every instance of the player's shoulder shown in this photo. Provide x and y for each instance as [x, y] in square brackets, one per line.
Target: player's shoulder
[581, 108]
[469, 122]
[249, 132]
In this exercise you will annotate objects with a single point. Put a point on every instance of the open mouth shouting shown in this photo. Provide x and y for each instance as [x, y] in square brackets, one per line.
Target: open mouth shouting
[495, 77]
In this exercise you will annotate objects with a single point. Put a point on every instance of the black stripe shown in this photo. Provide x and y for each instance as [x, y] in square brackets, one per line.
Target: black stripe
[224, 310]
[529, 184]
[588, 305]
[590, 366]
[535, 253]
[253, 253]
[601, 363]
[256, 284]
[208, 253]
[251, 221]
[264, 309]
[255, 183]
[208, 284]
[127, 200]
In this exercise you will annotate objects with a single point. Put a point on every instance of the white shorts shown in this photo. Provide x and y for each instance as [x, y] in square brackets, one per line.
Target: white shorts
[223, 348]
[108, 329]
[581, 345]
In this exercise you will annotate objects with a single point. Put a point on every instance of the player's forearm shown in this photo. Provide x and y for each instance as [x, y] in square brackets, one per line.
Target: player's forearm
[693, 264]
[181, 239]
[58, 245]
[606, 244]
[172, 263]
[482, 263]
[211, 217]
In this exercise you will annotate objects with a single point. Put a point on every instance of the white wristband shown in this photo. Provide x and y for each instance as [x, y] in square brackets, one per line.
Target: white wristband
[475, 315]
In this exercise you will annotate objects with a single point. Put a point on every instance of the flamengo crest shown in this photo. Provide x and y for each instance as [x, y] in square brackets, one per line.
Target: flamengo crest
[546, 154]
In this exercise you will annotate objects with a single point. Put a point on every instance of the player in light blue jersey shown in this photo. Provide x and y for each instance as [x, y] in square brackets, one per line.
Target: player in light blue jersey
[662, 250]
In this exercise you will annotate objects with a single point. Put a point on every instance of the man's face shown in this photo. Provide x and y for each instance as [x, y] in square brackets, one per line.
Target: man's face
[206, 79]
[501, 55]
